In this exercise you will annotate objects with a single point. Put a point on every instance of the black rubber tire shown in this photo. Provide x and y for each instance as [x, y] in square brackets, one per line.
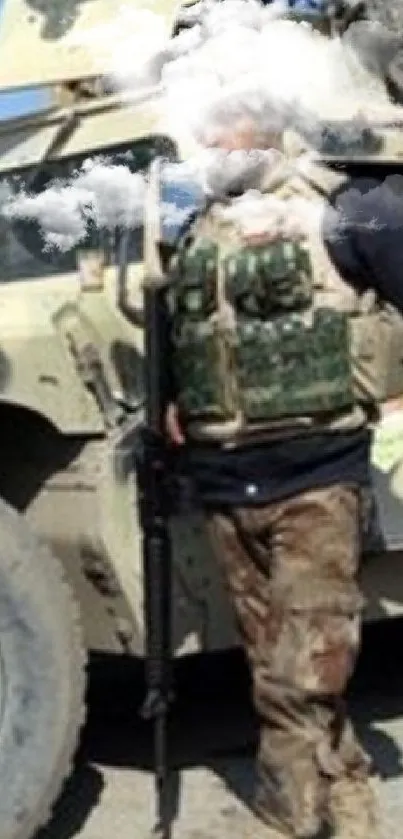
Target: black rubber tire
[42, 679]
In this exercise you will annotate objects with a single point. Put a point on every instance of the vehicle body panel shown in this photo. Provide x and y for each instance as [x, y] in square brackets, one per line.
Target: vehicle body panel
[68, 458]
[55, 40]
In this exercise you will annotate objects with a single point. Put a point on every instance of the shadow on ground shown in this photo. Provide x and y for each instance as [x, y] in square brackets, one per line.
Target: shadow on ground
[213, 724]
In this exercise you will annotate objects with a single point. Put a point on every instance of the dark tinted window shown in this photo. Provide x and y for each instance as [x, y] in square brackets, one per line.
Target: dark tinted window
[22, 253]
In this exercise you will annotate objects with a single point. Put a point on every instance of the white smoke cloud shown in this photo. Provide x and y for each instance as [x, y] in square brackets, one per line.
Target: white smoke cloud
[238, 53]
[239, 57]
[62, 214]
[107, 197]
[267, 216]
[377, 208]
[99, 195]
[133, 38]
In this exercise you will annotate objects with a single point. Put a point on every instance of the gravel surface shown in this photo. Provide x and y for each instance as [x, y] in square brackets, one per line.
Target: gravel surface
[111, 793]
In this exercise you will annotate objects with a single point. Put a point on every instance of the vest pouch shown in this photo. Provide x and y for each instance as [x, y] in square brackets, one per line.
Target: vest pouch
[292, 366]
[270, 278]
[377, 352]
[203, 340]
[204, 360]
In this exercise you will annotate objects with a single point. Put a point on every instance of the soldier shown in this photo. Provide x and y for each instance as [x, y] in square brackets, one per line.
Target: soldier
[267, 403]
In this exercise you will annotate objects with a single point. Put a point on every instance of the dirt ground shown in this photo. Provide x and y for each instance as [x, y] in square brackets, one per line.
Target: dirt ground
[111, 793]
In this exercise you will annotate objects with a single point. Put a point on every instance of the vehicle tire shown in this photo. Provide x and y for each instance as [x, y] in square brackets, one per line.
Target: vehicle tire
[42, 679]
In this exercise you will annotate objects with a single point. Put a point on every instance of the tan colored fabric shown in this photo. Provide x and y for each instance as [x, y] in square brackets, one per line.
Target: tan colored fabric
[354, 809]
[376, 332]
[291, 571]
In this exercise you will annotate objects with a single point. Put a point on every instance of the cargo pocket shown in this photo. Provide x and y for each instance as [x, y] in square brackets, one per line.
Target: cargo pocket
[316, 642]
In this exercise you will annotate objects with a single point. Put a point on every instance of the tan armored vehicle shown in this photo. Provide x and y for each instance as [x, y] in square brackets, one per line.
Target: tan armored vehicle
[71, 565]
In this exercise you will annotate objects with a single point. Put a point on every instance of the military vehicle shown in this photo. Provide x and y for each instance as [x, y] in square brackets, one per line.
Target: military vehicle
[71, 576]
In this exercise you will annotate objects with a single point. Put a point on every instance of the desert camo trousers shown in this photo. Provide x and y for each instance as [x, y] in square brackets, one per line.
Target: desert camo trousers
[291, 570]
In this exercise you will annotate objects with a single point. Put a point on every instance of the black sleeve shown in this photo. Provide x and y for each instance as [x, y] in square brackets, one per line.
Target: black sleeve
[366, 244]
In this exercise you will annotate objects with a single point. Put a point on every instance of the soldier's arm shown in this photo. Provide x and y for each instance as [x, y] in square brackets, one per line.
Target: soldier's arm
[167, 383]
[369, 248]
[172, 423]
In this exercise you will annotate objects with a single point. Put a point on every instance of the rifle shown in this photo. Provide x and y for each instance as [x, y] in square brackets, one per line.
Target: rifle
[154, 514]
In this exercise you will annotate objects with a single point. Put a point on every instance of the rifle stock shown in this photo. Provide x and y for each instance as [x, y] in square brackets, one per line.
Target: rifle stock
[154, 513]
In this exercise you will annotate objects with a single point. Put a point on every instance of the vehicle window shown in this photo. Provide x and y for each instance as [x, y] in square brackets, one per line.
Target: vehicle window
[22, 253]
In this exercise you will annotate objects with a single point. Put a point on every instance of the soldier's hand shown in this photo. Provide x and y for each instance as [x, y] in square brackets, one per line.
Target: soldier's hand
[172, 425]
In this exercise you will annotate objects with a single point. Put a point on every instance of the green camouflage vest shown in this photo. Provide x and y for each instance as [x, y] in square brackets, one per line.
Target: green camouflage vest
[260, 340]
